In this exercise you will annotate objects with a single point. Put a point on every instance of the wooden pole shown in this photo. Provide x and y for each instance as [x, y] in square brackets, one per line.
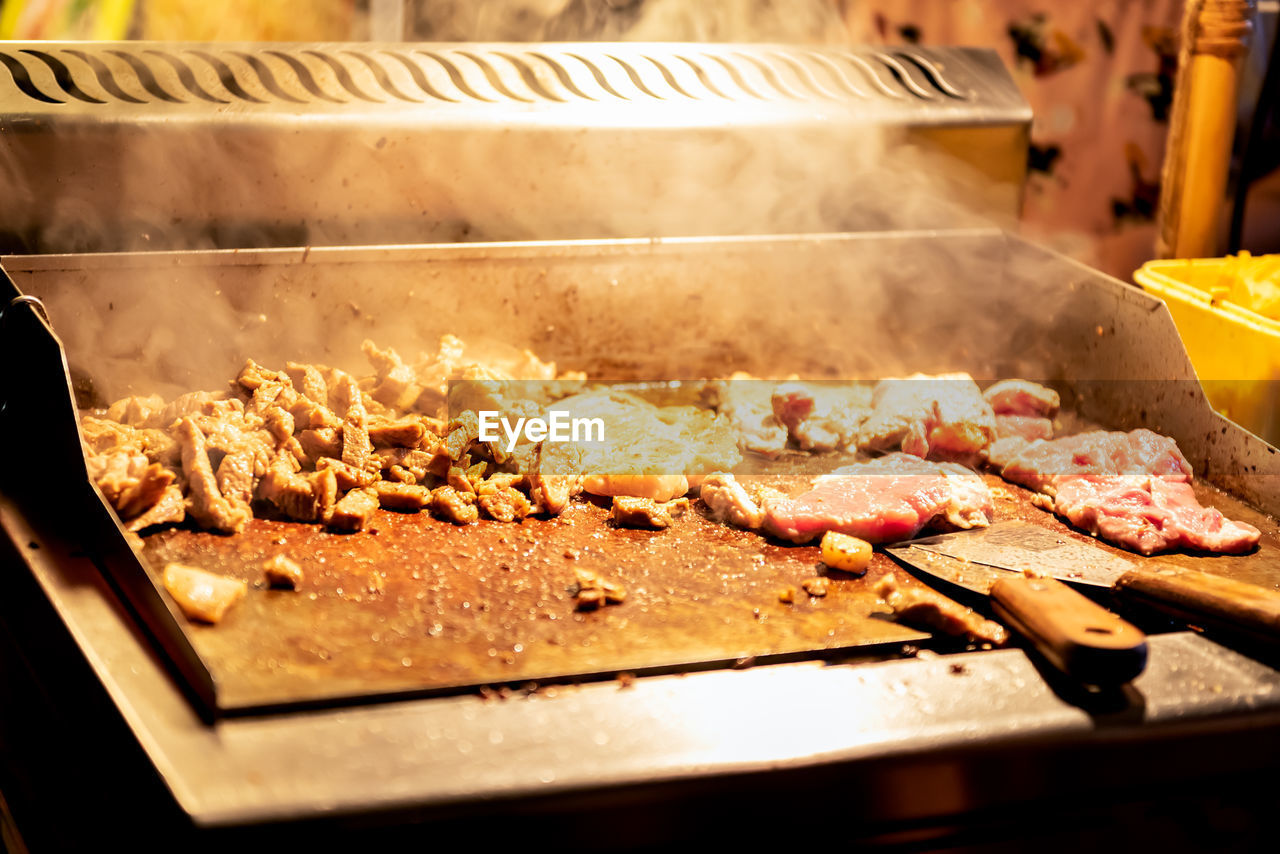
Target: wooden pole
[1215, 36]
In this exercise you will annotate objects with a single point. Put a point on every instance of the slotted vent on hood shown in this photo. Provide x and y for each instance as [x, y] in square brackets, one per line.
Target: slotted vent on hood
[46, 76]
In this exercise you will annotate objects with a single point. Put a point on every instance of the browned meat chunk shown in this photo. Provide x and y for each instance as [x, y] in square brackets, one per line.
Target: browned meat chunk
[321, 443]
[1022, 397]
[104, 436]
[416, 462]
[592, 591]
[349, 477]
[728, 501]
[928, 609]
[198, 403]
[355, 510]
[169, 507]
[308, 380]
[464, 430]
[401, 433]
[884, 500]
[137, 411]
[501, 501]
[282, 572]
[402, 496]
[747, 403]
[940, 417]
[205, 501]
[253, 376]
[304, 497]
[128, 481]
[454, 506]
[628, 512]
[821, 416]
[201, 594]
[396, 384]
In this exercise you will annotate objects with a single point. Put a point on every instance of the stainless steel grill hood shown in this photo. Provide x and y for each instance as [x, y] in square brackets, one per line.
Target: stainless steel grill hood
[180, 145]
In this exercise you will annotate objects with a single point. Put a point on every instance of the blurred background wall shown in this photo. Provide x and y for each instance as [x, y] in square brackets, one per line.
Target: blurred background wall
[1098, 74]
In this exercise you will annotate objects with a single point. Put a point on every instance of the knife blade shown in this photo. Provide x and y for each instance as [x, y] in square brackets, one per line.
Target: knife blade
[1189, 594]
[1073, 633]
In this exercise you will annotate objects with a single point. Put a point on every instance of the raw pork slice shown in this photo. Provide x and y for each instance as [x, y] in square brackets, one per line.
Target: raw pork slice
[1035, 464]
[1029, 427]
[1149, 514]
[1132, 489]
[885, 500]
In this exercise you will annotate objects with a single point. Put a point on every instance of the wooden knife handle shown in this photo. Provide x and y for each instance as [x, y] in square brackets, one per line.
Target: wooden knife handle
[1200, 596]
[1077, 636]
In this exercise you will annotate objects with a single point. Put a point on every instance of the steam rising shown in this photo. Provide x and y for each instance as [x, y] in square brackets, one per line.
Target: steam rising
[173, 324]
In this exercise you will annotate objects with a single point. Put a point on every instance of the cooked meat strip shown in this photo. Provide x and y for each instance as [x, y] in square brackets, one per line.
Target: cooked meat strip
[348, 477]
[821, 416]
[205, 501]
[402, 496]
[355, 436]
[629, 512]
[396, 384]
[1149, 514]
[407, 432]
[169, 507]
[940, 417]
[1029, 427]
[748, 404]
[237, 477]
[304, 497]
[928, 609]
[308, 380]
[1022, 397]
[201, 594]
[282, 572]
[885, 500]
[728, 501]
[137, 411]
[102, 435]
[354, 510]
[464, 430]
[454, 506]
[419, 463]
[214, 403]
[1035, 464]
[130, 482]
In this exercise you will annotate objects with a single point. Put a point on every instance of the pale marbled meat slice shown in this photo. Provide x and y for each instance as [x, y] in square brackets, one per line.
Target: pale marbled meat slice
[1029, 427]
[747, 403]
[1022, 397]
[1098, 452]
[1149, 514]
[888, 499]
[939, 417]
[821, 416]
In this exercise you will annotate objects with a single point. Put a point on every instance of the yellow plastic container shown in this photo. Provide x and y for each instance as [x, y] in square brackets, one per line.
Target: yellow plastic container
[1235, 351]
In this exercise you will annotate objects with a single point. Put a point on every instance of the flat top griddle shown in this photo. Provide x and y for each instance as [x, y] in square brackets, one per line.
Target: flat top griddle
[419, 605]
